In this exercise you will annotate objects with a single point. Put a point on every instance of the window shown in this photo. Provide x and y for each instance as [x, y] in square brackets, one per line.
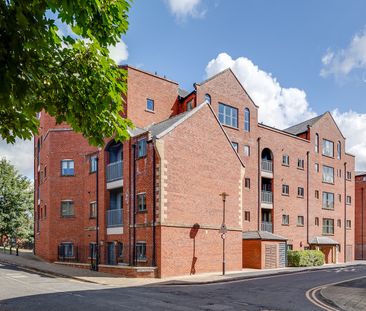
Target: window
[349, 175]
[285, 189]
[300, 220]
[208, 98]
[93, 164]
[189, 106]
[66, 250]
[120, 250]
[228, 115]
[45, 211]
[339, 223]
[316, 194]
[316, 167]
[317, 143]
[328, 174]
[328, 200]
[339, 150]
[317, 221]
[290, 247]
[67, 208]
[285, 219]
[300, 163]
[149, 104]
[93, 210]
[349, 200]
[67, 168]
[340, 173]
[339, 197]
[246, 150]
[286, 160]
[328, 148]
[141, 148]
[348, 224]
[45, 172]
[247, 183]
[141, 202]
[247, 216]
[246, 120]
[93, 250]
[141, 251]
[235, 145]
[328, 226]
[300, 192]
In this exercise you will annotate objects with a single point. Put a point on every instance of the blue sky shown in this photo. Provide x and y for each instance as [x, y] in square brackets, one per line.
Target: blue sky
[296, 59]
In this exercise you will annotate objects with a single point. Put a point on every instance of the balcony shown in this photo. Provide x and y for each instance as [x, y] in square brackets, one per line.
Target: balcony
[267, 168]
[114, 174]
[267, 199]
[114, 219]
[267, 226]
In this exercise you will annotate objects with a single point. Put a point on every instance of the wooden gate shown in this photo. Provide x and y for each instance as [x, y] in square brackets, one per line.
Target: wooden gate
[270, 256]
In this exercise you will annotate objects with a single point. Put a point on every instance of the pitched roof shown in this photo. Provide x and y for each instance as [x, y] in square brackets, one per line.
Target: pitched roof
[162, 128]
[360, 173]
[303, 126]
[182, 93]
[262, 235]
[323, 240]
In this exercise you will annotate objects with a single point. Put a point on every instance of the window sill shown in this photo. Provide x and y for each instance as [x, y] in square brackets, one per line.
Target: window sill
[328, 234]
[141, 260]
[300, 196]
[92, 172]
[73, 216]
[67, 175]
[299, 225]
[285, 195]
[348, 228]
[142, 212]
[327, 209]
[327, 182]
[286, 165]
[142, 157]
[301, 168]
[328, 156]
[149, 111]
[230, 127]
[287, 225]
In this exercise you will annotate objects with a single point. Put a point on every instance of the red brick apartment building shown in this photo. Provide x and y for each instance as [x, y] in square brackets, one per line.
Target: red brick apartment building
[159, 205]
[360, 219]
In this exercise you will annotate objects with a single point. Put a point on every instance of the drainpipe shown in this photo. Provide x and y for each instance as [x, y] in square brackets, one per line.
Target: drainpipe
[345, 212]
[259, 183]
[134, 206]
[154, 204]
[307, 195]
[362, 221]
[129, 208]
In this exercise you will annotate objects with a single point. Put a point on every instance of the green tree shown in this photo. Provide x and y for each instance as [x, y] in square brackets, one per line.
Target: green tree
[72, 78]
[16, 203]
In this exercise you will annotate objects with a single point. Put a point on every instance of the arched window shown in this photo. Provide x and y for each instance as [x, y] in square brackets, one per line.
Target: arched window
[208, 98]
[317, 143]
[246, 120]
[339, 150]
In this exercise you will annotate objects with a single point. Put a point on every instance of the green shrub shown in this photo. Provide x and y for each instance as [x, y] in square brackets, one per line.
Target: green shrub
[306, 258]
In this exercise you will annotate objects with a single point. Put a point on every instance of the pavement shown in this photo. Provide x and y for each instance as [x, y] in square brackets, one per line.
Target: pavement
[349, 295]
[27, 260]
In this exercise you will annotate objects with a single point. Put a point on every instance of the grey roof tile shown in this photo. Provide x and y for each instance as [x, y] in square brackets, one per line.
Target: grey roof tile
[262, 235]
[323, 240]
[303, 126]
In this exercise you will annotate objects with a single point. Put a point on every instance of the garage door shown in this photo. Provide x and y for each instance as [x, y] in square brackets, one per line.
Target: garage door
[282, 255]
[270, 256]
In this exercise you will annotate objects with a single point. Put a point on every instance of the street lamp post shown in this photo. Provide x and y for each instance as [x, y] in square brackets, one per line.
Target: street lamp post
[223, 229]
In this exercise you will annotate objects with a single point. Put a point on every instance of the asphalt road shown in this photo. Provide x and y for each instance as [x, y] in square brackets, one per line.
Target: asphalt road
[26, 291]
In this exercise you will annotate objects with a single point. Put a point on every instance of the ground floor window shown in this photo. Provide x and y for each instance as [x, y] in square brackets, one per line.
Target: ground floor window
[141, 250]
[66, 250]
[93, 250]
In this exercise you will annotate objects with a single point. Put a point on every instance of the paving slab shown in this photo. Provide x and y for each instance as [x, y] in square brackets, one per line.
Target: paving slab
[27, 260]
[350, 295]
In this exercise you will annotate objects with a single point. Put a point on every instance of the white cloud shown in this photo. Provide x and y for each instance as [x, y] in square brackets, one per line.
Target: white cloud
[353, 126]
[119, 52]
[343, 61]
[20, 155]
[184, 8]
[282, 107]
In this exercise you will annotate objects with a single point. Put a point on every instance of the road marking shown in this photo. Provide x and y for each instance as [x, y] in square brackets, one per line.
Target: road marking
[311, 294]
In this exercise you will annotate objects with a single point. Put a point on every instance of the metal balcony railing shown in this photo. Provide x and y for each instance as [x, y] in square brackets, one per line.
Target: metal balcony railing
[267, 226]
[114, 171]
[267, 166]
[115, 217]
[267, 197]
